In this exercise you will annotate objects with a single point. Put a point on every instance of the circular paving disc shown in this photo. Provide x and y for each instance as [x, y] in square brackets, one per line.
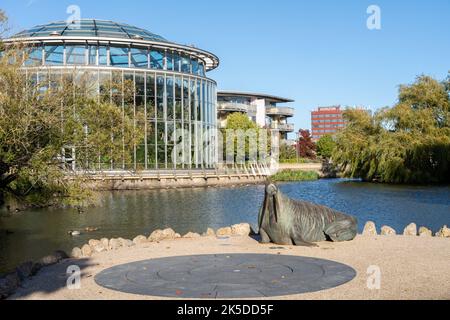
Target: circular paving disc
[226, 276]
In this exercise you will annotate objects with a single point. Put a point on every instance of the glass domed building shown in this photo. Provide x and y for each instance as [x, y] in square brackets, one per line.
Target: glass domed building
[169, 86]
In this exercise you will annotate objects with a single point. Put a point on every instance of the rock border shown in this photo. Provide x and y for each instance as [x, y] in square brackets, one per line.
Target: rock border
[10, 282]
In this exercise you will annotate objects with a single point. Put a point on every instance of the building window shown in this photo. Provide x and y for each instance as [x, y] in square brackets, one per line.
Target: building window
[54, 55]
[34, 57]
[139, 58]
[76, 55]
[103, 56]
[185, 65]
[119, 56]
[156, 59]
[92, 53]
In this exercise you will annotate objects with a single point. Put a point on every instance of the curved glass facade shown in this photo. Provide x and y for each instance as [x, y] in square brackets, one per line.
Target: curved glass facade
[114, 56]
[168, 87]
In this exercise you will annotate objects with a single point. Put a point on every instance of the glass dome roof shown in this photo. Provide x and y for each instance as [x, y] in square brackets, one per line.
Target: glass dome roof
[90, 28]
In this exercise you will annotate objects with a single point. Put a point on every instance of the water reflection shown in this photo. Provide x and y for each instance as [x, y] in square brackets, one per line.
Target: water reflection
[127, 214]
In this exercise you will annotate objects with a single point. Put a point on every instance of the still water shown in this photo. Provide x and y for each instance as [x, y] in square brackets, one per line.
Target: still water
[35, 233]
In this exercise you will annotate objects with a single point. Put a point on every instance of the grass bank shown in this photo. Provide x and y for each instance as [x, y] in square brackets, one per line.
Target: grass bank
[295, 175]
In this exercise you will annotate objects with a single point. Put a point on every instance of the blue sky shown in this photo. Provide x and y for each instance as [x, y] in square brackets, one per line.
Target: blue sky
[316, 52]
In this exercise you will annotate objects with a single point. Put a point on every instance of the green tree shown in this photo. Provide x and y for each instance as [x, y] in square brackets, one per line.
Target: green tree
[325, 146]
[240, 124]
[287, 152]
[408, 143]
[39, 120]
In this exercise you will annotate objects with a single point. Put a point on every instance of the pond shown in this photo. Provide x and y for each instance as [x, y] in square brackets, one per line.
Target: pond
[35, 233]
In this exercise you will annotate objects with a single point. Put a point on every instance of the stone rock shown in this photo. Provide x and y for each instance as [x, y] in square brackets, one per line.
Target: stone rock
[209, 233]
[99, 248]
[54, 258]
[160, 235]
[370, 229]
[388, 231]
[105, 243]
[92, 243]
[425, 232]
[177, 236]
[127, 243]
[140, 240]
[242, 229]
[410, 230]
[25, 270]
[86, 250]
[444, 232]
[227, 231]
[9, 284]
[76, 253]
[191, 235]
[115, 244]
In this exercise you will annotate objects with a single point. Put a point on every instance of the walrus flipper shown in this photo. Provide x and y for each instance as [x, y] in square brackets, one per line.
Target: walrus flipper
[342, 230]
[264, 236]
[303, 243]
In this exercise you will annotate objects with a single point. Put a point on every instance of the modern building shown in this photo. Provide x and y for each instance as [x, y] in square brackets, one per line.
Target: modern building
[326, 121]
[263, 109]
[170, 85]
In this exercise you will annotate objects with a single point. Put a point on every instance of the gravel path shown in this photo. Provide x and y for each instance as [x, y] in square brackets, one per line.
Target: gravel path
[410, 267]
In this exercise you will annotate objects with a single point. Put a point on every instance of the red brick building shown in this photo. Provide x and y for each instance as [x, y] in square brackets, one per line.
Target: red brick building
[326, 120]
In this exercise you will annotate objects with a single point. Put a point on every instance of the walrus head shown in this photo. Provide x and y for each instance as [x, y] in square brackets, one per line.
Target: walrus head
[271, 204]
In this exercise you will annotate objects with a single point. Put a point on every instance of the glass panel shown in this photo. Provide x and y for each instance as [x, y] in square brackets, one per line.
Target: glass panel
[185, 65]
[198, 102]
[92, 55]
[194, 66]
[177, 62]
[103, 56]
[160, 97]
[34, 57]
[170, 98]
[139, 83]
[139, 58]
[193, 99]
[119, 56]
[54, 55]
[202, 69]
[169, 60]
[156, 59]
[178, 92]
[76, 54]
[186, 99]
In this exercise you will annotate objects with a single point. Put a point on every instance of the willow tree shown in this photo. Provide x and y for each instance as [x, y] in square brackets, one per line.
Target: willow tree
[408, 143]
[38, 121]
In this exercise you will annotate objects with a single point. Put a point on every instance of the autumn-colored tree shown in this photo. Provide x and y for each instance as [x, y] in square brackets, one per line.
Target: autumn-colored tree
[305, 146]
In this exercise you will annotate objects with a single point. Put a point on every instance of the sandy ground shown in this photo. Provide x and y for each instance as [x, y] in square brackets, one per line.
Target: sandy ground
[411, 267]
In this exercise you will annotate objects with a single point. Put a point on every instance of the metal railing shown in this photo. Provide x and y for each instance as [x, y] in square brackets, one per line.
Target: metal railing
[231, 106]
[282, 111]
[285, 127]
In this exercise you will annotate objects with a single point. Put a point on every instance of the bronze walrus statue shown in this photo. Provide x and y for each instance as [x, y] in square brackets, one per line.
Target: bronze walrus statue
[288, 222]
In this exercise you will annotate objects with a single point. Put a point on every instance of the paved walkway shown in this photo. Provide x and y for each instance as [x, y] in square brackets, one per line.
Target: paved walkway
[410, 268]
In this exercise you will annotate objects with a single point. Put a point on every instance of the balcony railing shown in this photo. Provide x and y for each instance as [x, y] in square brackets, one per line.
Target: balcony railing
[284, 127]
[232, 107]
[280, 111]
